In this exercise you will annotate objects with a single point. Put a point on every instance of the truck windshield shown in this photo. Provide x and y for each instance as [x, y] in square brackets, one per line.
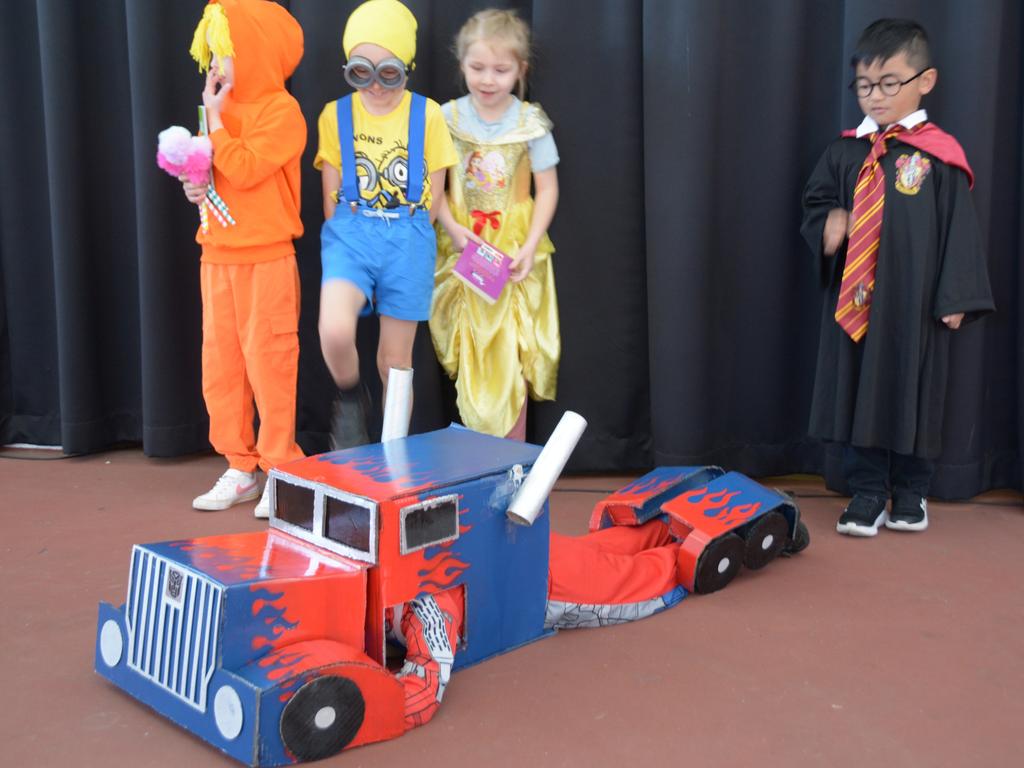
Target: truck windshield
[295, 505]
[347, 523]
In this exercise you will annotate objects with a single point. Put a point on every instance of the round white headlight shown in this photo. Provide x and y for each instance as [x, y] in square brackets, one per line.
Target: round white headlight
[111, 643]
[227, 712]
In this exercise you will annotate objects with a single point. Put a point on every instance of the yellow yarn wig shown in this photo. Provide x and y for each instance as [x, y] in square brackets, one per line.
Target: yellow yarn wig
[212, 35]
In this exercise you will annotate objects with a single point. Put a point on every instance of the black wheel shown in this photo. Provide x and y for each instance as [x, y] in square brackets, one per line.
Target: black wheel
[322, 717]
[799, 542]
[766, 538]
[719, 563]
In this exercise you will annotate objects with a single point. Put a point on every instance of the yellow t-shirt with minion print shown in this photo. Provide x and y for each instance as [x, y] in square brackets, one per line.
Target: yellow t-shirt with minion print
[381, 148]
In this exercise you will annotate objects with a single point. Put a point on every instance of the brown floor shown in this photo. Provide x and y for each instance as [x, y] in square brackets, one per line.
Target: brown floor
[904, 650]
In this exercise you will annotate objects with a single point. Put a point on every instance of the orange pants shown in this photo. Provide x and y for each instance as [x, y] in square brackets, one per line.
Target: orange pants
[621, 564]
[251, 349]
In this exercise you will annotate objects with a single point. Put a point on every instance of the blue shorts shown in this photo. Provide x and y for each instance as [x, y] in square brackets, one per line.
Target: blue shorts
[388, 255]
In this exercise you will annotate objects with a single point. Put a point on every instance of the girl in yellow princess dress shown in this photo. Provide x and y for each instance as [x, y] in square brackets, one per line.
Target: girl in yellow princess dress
[498, 353]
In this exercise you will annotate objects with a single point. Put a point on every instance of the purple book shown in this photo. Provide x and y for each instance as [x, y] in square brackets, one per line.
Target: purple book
[484, 269]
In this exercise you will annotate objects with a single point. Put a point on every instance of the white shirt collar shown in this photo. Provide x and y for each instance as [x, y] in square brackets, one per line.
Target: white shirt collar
[868, 125]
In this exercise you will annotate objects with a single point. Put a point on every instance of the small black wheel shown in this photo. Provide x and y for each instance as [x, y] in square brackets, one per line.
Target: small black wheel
[322, 717]
[766, 538]
[719, 563]
[801, 539]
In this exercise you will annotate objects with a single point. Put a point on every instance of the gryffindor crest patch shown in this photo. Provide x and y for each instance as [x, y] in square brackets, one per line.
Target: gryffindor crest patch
[911, 171]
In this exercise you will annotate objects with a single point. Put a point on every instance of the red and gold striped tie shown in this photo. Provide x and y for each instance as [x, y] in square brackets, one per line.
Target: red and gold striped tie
[854, 303]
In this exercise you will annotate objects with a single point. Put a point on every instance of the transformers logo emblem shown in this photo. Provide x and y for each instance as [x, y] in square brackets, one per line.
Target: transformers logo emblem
[174, 582]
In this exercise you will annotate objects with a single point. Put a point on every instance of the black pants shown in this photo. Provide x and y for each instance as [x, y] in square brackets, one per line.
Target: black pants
[882, 473]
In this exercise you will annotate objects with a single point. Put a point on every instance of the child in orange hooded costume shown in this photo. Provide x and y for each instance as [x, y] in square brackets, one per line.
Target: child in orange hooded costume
[250, 281]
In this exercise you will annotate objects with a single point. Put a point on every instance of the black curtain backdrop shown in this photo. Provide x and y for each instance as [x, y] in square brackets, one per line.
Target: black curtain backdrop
[688, 305]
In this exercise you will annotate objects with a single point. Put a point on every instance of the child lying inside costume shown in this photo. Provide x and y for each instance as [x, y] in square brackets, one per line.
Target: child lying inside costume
[610, 576]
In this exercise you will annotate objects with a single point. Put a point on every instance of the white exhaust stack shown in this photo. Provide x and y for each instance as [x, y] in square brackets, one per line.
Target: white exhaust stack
[529, 500]
[397, 404]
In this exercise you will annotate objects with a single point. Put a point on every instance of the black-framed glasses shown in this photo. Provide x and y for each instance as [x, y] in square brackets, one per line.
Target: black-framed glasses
[391, 73]
[889, 85]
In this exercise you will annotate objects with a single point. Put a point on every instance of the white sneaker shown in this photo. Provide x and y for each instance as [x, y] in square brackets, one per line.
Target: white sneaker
[233, 487]
[262, 510]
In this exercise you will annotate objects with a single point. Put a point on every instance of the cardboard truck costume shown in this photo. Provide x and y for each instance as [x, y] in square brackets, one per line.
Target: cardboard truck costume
[273, 646]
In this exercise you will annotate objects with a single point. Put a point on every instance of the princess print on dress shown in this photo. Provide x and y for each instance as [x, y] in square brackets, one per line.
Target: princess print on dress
[485, 171]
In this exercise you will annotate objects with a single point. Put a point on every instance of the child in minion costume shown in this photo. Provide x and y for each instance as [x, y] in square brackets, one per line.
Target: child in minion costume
[383, 153]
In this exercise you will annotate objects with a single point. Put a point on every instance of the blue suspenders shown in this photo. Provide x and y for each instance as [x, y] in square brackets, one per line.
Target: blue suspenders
[416, 167]
[349, 183]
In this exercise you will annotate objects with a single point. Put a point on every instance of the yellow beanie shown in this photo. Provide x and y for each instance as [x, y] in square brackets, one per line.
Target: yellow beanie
[386, 23]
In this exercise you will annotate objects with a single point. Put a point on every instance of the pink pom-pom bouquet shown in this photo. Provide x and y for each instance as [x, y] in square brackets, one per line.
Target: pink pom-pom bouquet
[180, 153]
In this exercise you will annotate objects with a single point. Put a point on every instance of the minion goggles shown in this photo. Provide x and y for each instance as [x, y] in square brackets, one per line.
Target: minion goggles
[391, 73]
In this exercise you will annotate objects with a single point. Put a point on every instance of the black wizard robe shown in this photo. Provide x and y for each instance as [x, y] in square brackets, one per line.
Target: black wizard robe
[889, 390]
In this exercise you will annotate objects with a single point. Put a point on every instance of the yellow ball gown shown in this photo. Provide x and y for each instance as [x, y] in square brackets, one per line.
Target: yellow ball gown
[496, 353]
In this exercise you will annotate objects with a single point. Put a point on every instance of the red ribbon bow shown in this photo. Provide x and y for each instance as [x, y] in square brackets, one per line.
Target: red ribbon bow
[483, 218]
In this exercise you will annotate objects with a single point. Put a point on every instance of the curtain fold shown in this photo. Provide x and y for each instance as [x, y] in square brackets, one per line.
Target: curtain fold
[689, 307]
[164, 86]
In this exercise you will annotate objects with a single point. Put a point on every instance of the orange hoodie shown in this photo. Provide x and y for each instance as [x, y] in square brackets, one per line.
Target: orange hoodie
[256, 154]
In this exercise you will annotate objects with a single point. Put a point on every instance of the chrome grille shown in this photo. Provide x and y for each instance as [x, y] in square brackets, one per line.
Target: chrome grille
[173, 616]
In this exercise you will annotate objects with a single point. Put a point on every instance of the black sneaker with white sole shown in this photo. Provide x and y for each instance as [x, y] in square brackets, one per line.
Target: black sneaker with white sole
[909, 513]
[862, 516]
